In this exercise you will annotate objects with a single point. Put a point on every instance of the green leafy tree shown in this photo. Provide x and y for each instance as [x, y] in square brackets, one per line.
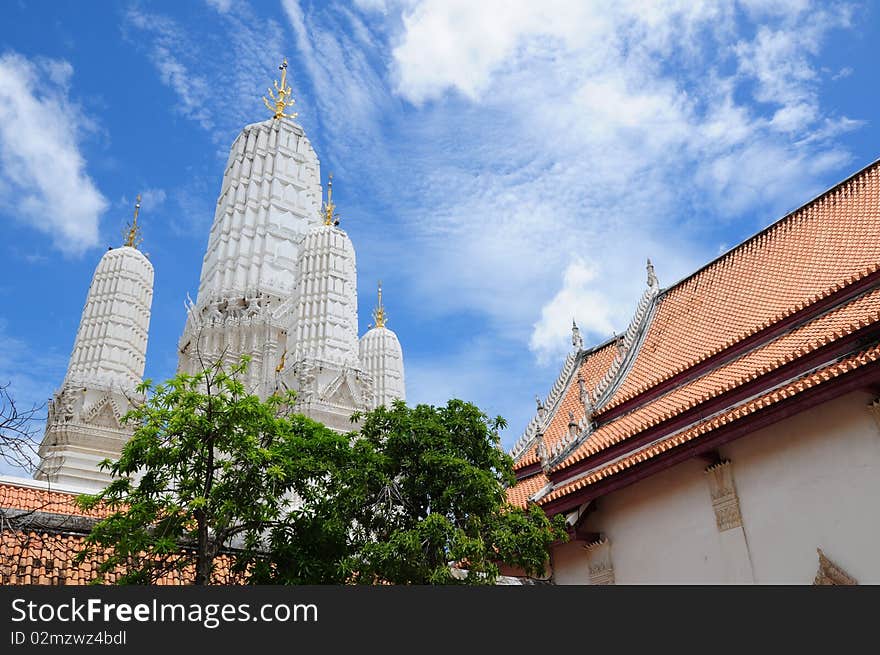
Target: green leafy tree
[423, 501]
[414, 497]
[209, 466]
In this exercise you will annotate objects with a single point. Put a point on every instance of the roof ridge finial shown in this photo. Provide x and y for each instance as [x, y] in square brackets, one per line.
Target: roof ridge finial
[329, 212]
[132, 233]
[577, 341]
[281, 97]
[652, 277]
[379, 312]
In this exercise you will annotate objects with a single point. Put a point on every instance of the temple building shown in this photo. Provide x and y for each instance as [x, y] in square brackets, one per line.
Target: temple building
[732, 433]
[278, 283]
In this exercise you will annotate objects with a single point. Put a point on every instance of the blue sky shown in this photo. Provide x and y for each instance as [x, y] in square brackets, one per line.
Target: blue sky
[501, 166]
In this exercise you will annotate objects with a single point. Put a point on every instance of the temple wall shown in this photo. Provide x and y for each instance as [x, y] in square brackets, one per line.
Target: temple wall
[661, 531]
[812, 481]
[807, 482]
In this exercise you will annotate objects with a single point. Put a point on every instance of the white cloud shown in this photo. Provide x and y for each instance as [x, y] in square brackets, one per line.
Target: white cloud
[779, 60]
[602, 132]
[349, 95]
[577, 300]
[216, 75]
[458, 43]
[170, 53]
[372, 5]
[223, 6]
[527, 157]
[152, 199]
[43, 177]
[776, 7]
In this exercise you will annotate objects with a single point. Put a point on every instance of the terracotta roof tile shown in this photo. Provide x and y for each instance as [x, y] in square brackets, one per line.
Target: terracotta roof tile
[40, 557]
[820, 248]
[738, 412]
[14, 496]
[809, 255]
[854, 315]
[528, 458]
[525, 489]
[592, 369]
[44, 558]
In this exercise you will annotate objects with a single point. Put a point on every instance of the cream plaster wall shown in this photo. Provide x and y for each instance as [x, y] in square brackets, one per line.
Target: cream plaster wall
[662, 531]
[809, 481]
[812, 481]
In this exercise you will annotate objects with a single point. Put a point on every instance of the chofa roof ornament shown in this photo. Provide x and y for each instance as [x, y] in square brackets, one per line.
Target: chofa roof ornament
[577, 341]
[653, 282]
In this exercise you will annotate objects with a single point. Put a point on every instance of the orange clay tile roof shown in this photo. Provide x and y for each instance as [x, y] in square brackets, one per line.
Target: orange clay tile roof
[46, 558]
[520, 494]
[814, 254]
[13, 496]
[807, 381]
[816, 249]
[854, 315]
[29, 556]
[591, 370]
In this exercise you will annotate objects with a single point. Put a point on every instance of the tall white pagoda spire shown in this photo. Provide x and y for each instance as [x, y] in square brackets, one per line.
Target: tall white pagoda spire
[106, 365]
[324, 323]
[279, 279]
[382, 359]
[322, 362]
[269, 199]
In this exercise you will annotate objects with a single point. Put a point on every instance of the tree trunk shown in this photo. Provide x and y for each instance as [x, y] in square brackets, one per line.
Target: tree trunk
[203, 556]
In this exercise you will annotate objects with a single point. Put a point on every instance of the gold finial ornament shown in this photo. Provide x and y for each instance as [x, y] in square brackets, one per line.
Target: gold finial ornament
[329, 211]
[379, 312]
[132, 233]
[281, 97]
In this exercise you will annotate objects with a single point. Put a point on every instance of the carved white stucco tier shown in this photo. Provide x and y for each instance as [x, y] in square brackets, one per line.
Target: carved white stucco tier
[111, 343]
[382, 358]
[270, 197]
[107, 363]
[322, 364]
[324, 324]
[269, 200]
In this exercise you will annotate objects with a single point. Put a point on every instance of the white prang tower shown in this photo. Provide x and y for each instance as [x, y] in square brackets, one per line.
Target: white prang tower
[279, 278]
[270, 197]
[84, 424]
[382, 357]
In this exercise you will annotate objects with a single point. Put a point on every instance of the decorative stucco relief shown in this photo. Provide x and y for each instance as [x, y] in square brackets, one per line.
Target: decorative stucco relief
[600, 566]
[831, 574]
[725, 501]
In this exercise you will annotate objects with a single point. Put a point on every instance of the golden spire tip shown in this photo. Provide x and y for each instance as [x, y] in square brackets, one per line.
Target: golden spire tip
[132, 233]
[329, 212]
[379, 313]
[281, 97]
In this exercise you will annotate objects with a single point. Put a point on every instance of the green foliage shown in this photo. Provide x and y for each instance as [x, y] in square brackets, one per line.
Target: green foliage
[414, 495]
[424, 494]
[208, 464]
